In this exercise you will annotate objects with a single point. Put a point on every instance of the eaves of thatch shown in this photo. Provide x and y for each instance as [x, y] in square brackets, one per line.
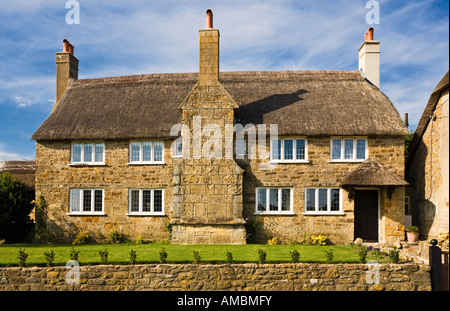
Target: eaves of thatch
[307, 103]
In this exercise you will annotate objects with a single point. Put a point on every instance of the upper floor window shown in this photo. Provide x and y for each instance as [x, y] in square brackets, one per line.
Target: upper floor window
[146, 152]
[289, 150]
[349, 149]
[90, 153]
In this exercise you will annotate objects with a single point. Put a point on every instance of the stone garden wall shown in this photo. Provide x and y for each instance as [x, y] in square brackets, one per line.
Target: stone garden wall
[209, 277]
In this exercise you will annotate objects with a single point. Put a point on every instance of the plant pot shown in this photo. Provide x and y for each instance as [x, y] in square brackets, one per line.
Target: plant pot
[413, 237]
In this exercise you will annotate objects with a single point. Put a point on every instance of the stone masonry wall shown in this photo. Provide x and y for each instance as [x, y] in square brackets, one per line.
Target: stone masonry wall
[240, 277]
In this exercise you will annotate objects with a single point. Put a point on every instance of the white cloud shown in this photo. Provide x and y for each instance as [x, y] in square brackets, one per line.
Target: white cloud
[6, 155]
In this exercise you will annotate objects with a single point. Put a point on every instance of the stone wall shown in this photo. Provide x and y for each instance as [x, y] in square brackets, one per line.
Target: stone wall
[241, 277]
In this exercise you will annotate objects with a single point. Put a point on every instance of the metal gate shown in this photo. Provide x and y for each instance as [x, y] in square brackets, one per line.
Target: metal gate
[439, 267]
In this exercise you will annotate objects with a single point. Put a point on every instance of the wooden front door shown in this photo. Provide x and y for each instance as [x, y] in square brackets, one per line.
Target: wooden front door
[366, 215]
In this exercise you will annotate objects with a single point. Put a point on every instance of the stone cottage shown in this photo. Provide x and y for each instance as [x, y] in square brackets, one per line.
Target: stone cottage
[427, 166]
[294, 152]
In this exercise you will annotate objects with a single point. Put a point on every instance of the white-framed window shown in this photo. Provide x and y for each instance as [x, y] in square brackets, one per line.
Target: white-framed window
[86, 201]
[348, 149]
[289, 150]
[273, 201]
[87, 153]
[323, 201]
[146, 202]
[177, 146]
[146, 152]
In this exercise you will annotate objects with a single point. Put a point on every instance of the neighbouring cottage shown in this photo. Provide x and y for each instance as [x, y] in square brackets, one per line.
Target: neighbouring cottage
[296, 152]
[427, 166]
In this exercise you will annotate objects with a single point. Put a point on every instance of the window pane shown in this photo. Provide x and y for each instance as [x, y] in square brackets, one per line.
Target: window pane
[273, 199]
[86, 200]
[76, 152]
[135, 147]
[310, 200]
[146, 200]
[288, 149]
[262, 201]
[87, 152]
[158, 146]
[134, 201]
[335, 200]
[348, 149]
[276, 149]
[178, 152]
[285, 199]
[361, 149]
[158, 203]
[240, 146]
[98, 200]
[300, 149]
[146, 151]
[99, 148]
[75, 200]
[336, 149]
[323, 197]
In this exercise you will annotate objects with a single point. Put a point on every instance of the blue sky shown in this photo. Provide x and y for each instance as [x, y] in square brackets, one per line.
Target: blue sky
[117, 38]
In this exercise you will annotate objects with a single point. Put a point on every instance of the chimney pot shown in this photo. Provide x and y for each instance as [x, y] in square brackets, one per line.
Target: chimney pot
[209, 19]
[66, 46]
[368, 36]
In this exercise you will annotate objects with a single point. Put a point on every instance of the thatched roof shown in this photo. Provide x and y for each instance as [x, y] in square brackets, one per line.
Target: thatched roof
[310, 103]
[372, 173]
[21, 170]
[428, 111]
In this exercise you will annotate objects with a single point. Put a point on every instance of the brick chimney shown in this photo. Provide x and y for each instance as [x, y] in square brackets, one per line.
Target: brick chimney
[369, 58]
[209, 52]
[66, 68]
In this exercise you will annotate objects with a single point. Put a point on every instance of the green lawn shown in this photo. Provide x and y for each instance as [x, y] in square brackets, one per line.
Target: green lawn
[148, 253]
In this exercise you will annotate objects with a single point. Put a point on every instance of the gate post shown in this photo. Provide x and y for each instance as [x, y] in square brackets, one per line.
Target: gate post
[435, 265]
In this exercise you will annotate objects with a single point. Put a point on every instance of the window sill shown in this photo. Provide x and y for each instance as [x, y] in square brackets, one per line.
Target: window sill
[274, 213]
[289, 162]
[146, 214]
[146, 163]
[347, 161]
[323, 214]
[86, 214]
[87, 164]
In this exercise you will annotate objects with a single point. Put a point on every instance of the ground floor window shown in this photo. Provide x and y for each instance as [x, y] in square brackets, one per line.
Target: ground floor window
[273, 200]
[323, 201]
[86, 201]
[146, 202]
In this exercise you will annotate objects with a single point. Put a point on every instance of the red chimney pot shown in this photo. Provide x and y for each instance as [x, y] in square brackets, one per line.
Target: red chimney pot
[209, 18]
[369, 35]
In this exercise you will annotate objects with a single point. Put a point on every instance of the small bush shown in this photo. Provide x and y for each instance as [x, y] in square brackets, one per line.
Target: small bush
[273, 241]
[140, 240]
[133, 256]
[329, 255]
[81, 238]
[394, 255]
[162, 255]
[117, 236]
[362, 254]
[414, 229]
[74, 254]
[197, 257]
[229, 257]
[262, 256]
[22, 257]
[295, 256]
[103, 256]
[250, 227]
[319, 240]
[49, 258]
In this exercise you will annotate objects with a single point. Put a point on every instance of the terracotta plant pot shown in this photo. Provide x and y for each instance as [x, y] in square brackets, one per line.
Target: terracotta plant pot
[413, 237]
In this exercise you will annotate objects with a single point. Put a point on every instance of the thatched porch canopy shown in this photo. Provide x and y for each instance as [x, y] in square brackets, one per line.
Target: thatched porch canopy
[372, 173]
